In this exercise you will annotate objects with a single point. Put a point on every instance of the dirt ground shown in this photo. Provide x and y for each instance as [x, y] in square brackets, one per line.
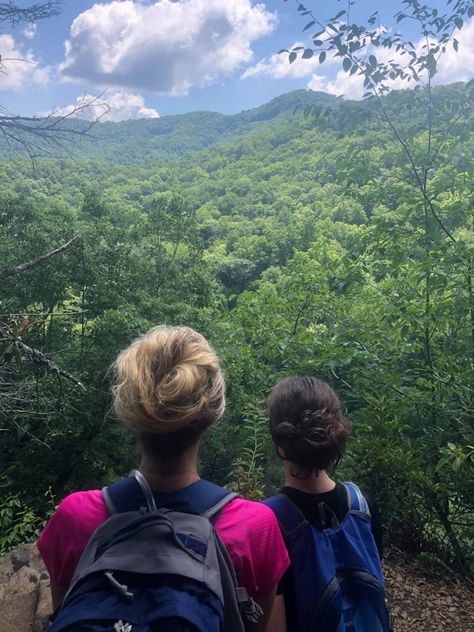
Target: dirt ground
[424, 600]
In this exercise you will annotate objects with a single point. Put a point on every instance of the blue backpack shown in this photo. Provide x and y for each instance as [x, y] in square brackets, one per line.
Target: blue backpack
[156, 564]
[336, 575]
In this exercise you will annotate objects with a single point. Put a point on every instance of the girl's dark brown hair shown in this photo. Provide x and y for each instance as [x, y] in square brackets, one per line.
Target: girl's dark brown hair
[307, 424]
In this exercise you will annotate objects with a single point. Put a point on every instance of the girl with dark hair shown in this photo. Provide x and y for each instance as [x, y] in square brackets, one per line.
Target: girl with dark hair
[333, 533]
[168, 390]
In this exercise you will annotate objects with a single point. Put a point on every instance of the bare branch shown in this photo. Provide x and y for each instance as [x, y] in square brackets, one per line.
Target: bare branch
[13, 14]
[48, 136]
[8, 272]
[37, 356]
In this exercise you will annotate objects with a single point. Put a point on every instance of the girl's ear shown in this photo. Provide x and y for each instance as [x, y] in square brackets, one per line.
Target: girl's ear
[281, 454]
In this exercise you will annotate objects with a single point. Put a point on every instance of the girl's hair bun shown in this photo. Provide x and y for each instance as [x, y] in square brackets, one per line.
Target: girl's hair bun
[306, 422]
[167, 379]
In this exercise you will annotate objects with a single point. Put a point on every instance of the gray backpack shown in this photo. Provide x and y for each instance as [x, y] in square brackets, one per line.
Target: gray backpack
[157, 564]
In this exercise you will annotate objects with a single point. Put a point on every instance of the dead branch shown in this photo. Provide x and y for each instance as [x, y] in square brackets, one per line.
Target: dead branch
[37, 356]
[50, 135]
[12, 13]
[8, 272]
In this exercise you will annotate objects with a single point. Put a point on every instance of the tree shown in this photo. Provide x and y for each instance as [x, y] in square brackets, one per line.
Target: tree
[427, 241]
[12, 13]
[47, 135]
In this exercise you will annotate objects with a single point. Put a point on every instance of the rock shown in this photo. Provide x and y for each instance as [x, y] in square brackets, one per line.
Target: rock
[18, 600]
[25, 599]
[43, 607]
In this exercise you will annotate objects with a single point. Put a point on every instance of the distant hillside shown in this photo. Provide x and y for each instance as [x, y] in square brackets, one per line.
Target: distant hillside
[147, 141]
[187, 133]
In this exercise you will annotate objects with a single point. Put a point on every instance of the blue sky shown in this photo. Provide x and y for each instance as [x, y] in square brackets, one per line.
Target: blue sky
[174, 56]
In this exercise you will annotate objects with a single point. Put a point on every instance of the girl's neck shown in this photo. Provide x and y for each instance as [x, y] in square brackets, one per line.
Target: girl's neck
[170, 475]
[316, 483]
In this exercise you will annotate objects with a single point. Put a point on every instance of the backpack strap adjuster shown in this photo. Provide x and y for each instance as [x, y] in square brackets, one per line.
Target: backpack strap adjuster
[356, 502]
[122, 589]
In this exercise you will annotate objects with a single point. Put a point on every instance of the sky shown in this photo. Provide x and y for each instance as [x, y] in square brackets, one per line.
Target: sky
[151, 58]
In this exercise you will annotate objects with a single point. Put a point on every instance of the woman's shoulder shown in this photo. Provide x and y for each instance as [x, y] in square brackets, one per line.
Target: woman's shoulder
[82, 499]
[244, 524]
[68, 531]
[252, 536]
[77, 515]
[83, 507]
[243, 509]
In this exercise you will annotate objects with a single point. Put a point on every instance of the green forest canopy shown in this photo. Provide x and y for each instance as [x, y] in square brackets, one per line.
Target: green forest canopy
[294, 240]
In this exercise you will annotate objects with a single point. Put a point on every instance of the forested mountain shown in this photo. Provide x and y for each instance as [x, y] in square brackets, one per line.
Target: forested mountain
[295, 238]
[144, 141]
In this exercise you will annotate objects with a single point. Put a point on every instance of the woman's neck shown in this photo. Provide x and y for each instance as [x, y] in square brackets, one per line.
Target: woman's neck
[170, 475]
[316, 483]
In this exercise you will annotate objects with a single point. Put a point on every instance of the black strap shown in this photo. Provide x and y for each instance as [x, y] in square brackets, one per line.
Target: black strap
[289, 516]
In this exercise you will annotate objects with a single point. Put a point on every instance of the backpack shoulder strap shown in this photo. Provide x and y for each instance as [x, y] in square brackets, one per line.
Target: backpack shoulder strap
[220, 504]
[202, 498]
[356, 502]
[290, 518]
[129, 494]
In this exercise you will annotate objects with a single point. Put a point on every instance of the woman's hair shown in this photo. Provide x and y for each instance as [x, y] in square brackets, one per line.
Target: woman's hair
[307, 423]
[168, 389]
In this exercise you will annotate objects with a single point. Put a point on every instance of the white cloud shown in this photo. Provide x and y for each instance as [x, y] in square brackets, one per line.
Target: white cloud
[165, 46]
[350, 86]
[458, 66]
[19, 67]
[452, 66]
[278, 66]
[30, 31]
[116, 106]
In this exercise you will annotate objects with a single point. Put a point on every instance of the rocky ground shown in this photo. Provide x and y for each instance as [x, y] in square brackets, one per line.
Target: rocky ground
[421, 600]
[24, 591]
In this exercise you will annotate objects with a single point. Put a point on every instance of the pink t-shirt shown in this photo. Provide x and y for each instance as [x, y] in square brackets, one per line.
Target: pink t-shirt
[248, 529]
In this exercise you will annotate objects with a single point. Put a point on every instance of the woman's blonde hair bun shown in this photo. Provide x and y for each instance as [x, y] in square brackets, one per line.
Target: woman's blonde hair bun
[166, 379]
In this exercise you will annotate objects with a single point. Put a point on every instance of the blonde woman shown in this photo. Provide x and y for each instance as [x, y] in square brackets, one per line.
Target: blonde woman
[169, 390]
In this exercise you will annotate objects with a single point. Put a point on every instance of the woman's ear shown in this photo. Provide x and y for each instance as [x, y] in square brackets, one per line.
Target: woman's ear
[281, 454]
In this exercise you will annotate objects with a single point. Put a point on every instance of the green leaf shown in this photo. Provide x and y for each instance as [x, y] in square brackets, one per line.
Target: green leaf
[309, 25]
[346, 64]
[459, 23]
[322, 57]
[373, 61]
[308, 53]
[292, 57]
